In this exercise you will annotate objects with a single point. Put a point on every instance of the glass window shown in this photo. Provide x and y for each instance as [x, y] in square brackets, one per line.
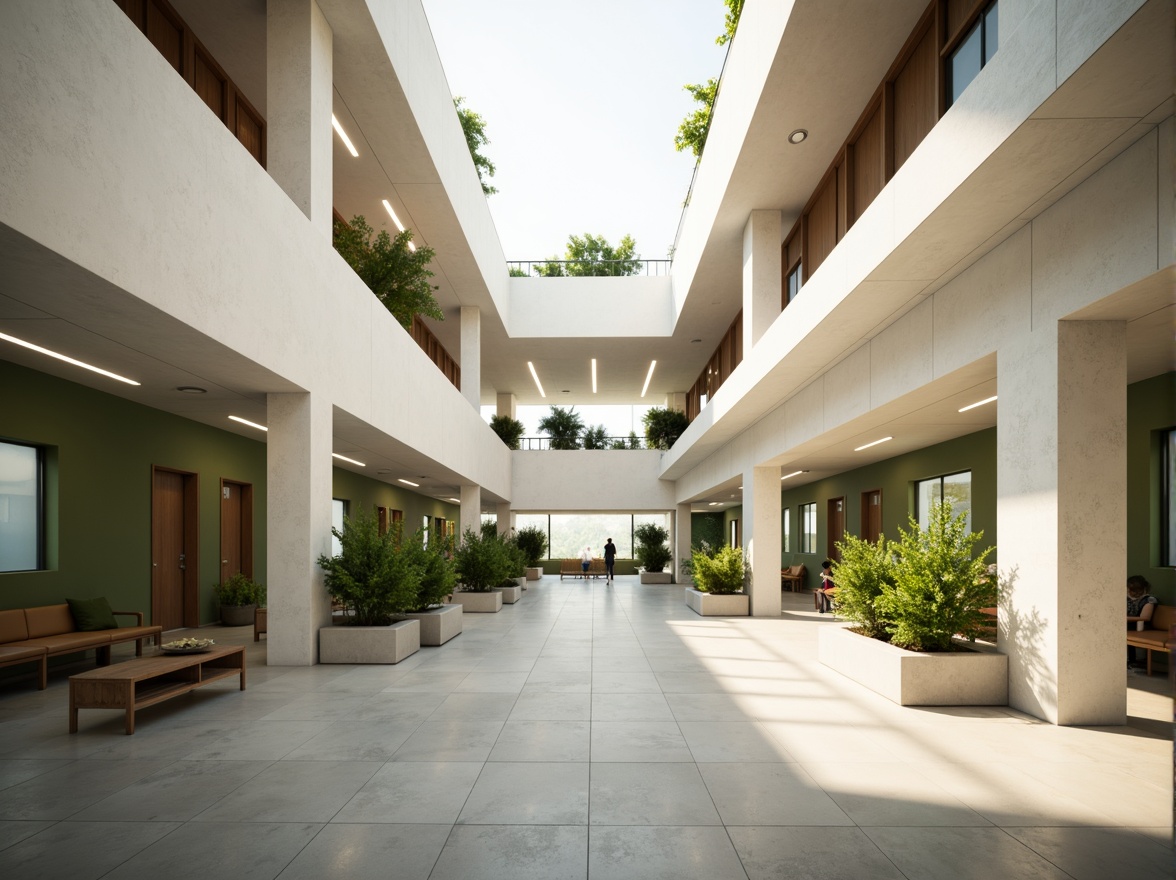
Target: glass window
[21, 486]
[808, 527]
[971, 54]
[338, 514]
[1168, 502]
[571, 533]
[794, 282]
[955, 489]
[786, 538]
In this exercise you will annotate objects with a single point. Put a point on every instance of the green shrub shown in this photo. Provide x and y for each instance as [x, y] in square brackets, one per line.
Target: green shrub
[509, 430]
[482, 562]
[239, 590]
[595, 438]
[663, 426]
[533, 542]
[721, 573]
[865, 571]
[437, 577]
[371, 578]
[652, 553]
[939, 585]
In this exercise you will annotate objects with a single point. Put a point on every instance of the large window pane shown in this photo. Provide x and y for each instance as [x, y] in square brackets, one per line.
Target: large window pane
[808, 527]
[1169, 500]
[338, 513]
[571, 533]
[20, 507]
[538, 521]
[927, 494]
[957, 491]
[786, 537]
[991, 40]
[965, 64]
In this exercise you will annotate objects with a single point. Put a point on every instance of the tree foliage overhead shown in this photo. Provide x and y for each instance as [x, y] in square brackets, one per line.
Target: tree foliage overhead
[694, 128]
[509, 430]
[664, 426]
[734, 9]
[394, 272]
[592, 255]
[564, 426]
[473, 126]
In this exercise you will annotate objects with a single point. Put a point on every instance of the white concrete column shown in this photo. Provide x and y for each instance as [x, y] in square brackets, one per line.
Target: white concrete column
[298, 524]
[681, 542]
[299, 100]
[676, 400]
[761, 538]
[506, 518]
[471, 509]
[1061, 519]
[507, 404]
[761, 275]
[471, 355]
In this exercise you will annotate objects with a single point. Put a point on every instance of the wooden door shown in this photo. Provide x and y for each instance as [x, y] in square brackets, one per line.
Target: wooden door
[236, 534]
[871, 515]
[836, 528]
[174, 572]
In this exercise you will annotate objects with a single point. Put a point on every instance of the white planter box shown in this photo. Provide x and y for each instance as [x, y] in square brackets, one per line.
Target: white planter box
[714, 605]
[438, 625]
[655, 577]
[534, 574]
[510, 595]
[522, 582]
[369, 644]
[978, 677]
[479, 603]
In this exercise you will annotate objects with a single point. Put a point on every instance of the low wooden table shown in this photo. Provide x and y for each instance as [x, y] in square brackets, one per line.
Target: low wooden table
[145, 681]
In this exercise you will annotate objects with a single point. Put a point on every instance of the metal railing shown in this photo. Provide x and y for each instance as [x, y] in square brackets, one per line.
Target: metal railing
[531, 268]
[534, 443]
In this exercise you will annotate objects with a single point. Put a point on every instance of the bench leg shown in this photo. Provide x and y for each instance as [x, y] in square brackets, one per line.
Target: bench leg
[138, 647]
[1149, 658]
[102, 655]
[43, 674]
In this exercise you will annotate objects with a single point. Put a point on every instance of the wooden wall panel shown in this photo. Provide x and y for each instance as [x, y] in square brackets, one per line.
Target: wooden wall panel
[166, 33]
[211, 85]
[867, 175]
[250, 129]
[916, 100]
[821, 228]
[957, 12]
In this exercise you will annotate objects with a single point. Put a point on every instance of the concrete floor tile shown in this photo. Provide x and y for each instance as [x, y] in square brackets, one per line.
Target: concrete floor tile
[769, 794]
[514, 852]
[529, 793]
[630, 707]
[293, 791]
[814, 853]
[450, 741]
[413, 792]
[365, 852]
[543, 741]
[546, 706]
[80, 850]
[731, 741]
[1099, 853]
[650, 794]
[690, 853]
[962, 854]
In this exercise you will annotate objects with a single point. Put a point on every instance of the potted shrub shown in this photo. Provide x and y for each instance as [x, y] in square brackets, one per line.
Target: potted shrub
[532, 540]
[510, 431]
[663, 427]
[514, 582]
[481, 564]
[916, 607]
[238, 597]
[653, 554]
[439, 622]
[564, 426]
[719, 578]
[377, 583]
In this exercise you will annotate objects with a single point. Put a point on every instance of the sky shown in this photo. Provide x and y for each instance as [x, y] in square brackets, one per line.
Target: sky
[581, 103]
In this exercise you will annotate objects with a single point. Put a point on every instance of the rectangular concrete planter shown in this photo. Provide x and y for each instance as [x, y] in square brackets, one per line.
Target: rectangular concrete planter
[522, 582]
[655, 577]
[713, 605]
[369, 644]
[510, 595]
[438, 625]
[534, 574]
[479, 603]
[977, 677]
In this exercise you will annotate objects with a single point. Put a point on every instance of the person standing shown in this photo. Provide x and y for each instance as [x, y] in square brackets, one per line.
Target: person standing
[610, 556]
[821, 597]
[586, 561]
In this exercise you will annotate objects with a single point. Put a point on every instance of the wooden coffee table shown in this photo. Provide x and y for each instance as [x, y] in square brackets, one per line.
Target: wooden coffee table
[145, 681]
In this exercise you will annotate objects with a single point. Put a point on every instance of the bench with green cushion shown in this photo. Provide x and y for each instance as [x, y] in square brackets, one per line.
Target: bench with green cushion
[1158, 634]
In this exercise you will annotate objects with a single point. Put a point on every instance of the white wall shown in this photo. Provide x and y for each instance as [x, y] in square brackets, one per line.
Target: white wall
[608, 307]
[583, 480]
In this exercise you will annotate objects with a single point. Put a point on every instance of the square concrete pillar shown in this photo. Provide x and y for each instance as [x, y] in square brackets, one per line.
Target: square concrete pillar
[761, 275]
[761, 538]
[1061, 520]
[506, 518]
[471, 509]
[681, 542]
[299, 101]
[507, 404]
[471, 355]
[298, 524]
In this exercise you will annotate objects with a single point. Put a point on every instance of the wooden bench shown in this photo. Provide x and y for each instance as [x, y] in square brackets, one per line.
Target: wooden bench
[50, 631]
[1158, 635]
[260, 623]
[575, 568]
[792, 578]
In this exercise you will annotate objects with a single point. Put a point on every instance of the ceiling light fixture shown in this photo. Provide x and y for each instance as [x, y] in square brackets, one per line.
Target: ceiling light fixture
[875, 443]
[191, 389]
[714, 504]
[396, 220]
[535, 376]
[455, 501]
[67, 359]
[793, 474]
[648, 376]
[343, 136]
[408, 482]
[797, 136]
[249, 423]
[977, 403]
[345, 458]
[594, 375]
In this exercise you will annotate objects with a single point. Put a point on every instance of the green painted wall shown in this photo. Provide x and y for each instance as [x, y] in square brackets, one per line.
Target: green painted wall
[360, 492]
[1151, 408]
[98, 510]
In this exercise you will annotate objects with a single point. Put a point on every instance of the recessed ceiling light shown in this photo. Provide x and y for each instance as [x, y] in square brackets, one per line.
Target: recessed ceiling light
[875, 443]
[797, 136]
[345, 458]
[977, 403]
[66, 358]
[714, 504]
[535, 376]
[648, 376]
[793, 474]
[384, 471]
[455, 501]
[407, 482]
[191, 389]
[343, 136]
[392, 214]
[249, 423]
[696, 340]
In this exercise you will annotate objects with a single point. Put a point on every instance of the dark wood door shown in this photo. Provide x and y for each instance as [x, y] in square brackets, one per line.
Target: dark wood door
[168, 556]
[836, 528]
[871, 515]
[236, 537]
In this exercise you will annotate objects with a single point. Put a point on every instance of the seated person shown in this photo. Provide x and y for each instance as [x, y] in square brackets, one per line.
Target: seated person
[1140, 607]
[821, 598]
[586, 560]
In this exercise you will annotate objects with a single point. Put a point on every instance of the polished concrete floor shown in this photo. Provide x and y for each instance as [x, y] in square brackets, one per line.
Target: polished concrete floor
[588, 731]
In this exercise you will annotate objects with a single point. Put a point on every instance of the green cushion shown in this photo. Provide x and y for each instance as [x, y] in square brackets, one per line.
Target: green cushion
[91, 615]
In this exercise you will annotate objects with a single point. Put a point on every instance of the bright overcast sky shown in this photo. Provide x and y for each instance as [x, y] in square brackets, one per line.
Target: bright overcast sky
[581, 102]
